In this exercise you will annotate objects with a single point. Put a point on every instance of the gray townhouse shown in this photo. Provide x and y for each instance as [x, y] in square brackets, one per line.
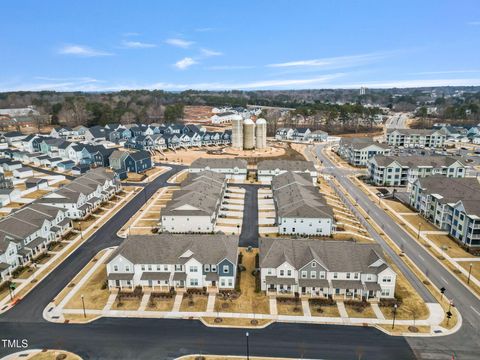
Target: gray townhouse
[451, 204]
[336, 269]
[357, 151]
[429, 138]
[404, 170]
[300, 208]
[233, 169]
[195, 206]
[268, 169]
[165, 261]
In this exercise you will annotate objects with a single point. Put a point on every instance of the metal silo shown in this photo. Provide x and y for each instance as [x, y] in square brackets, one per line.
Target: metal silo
[261, 134]
[248, 134]
[237, 132]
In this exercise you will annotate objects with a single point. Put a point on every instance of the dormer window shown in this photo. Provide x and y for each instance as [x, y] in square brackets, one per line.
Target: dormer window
[314, 264]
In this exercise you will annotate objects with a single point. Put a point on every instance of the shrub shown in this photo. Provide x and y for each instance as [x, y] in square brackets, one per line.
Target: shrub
[322, 302]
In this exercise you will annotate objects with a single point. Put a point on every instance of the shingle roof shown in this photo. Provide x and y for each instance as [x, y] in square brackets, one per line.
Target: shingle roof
[221, 163]
[288, 165]
[415, 161]
[337, 256]
[169, 248]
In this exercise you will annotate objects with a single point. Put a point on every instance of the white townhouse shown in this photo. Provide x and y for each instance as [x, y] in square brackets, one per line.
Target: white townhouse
[165, 261]
[338, 269]
[233, 169]
[404, 170]
[300, 208]
[429, 138]
[357, 151]
[84, 194]
[195, 207]
[268, 169]
[284, 134]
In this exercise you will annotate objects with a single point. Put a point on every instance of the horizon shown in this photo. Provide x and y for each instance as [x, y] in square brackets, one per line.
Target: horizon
[216, 46]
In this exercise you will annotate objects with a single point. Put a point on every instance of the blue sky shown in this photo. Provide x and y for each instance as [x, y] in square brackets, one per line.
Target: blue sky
[176, 45]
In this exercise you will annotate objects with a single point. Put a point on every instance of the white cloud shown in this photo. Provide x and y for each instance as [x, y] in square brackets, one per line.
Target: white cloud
[205, 29]
[127, 34]
[209, 53]
[332, 62]
[474, 23]
[185, 63]
[137, 45]
[82, 51]
[179, 42]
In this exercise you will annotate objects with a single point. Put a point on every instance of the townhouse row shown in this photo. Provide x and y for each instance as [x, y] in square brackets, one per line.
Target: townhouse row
[300, 209]
[27, 232]
[336, 269]
[194, 208]
[301, 134]
[237, 169]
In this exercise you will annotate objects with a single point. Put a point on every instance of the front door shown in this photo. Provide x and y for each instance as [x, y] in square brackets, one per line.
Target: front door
[214, 283]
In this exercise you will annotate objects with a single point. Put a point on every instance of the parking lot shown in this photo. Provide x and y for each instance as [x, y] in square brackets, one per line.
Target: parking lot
[230, 216]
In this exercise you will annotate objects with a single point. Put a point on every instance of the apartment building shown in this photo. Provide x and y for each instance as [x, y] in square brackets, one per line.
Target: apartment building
[451, 204]
[233, 169]
[357, 151]
[194, 208]
[339, 269]
[268, 169]
[300, 208]
[404, 170]
[165, 261]
[416, 138]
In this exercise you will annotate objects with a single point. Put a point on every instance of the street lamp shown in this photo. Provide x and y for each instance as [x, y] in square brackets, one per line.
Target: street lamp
[248, 349]
[419, 228]
[83, 305]
[469, 273]
[394, 315]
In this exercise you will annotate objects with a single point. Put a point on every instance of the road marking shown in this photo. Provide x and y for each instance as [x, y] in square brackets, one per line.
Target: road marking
[445, 281]
[421, 257]
[476, 311]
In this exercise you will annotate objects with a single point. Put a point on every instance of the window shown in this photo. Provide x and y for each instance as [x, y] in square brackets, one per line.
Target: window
[165, 267]
[313, 274]
[177, 268]
[385, 292]
[115, 267]
[127, 268]
[314, 264]
[322, 274]
[193, 269]
[230, 282]
[289, 272]
[348, 275]
[207, 268]
[194, 282]
[304, 274]
[387, 279]
[149, 267]
[335, 275]
[282, 272]
[225, 268]
[356, 275]
[213, 268]
[143, 267]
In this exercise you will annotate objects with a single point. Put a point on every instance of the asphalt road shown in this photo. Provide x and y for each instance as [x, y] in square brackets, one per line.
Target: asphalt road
[249, 233]
[126, 338]
[465, 344]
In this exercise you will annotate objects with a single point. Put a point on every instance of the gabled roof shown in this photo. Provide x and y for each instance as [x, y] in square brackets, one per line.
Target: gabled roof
[168, 249]
[434, 161]
[335, 256]
[140, 155]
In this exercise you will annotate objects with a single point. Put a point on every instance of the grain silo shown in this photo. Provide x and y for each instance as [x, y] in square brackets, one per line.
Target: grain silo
[237, 132]
[248, 134]
[261, 134]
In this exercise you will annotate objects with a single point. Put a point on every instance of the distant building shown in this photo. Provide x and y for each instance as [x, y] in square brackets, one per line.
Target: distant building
[268, 169]
[357, 151]
[235, 169]
[416, 138]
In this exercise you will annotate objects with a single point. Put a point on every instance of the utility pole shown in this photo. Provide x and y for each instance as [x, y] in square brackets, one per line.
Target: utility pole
[248, 348]
[83, 305]
[394, 315]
